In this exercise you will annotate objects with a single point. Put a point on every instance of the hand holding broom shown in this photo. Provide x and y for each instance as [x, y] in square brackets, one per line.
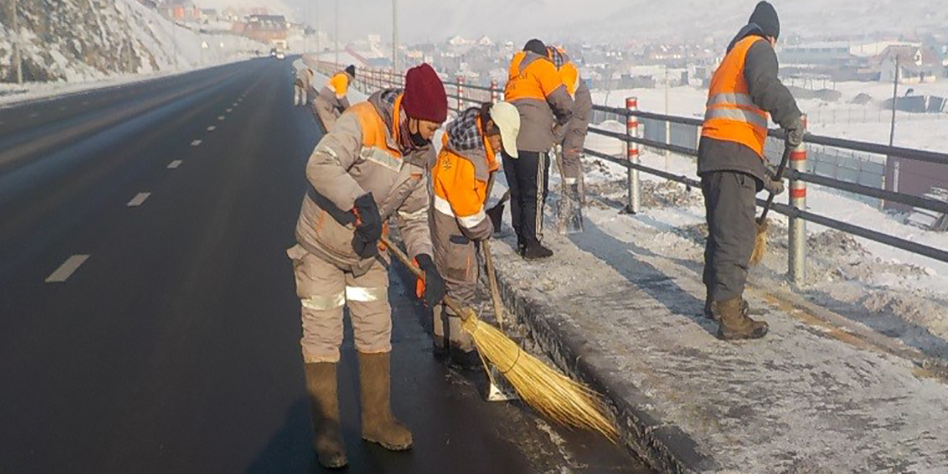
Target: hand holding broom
[547, 391]
[760, 244]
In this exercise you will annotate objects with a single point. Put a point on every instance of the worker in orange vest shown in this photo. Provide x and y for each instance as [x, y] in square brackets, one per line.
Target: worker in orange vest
[570, 141]
[461, 181]
[733, 167]
[332, 100]
[369, 168]
[535, 88]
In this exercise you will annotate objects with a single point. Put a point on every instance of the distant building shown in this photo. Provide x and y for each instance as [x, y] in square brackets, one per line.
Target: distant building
[915, 64]
[268, 29]
[180, 10]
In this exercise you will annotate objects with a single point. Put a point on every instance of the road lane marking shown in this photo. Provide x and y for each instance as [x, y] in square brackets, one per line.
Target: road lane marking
[220, 117]
[67, 269]
[34, 115]
[85, 102]
[174, 164]
[230, 110]
[196, 143]
[211, 128]
[138, 199]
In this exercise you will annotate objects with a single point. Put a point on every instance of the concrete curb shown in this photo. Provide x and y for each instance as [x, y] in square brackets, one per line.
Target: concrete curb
[663, 446]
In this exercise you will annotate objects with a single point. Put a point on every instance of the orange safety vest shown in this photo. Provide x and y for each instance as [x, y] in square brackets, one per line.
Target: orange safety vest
[535, 81]
[732, 115]
[375, 147]
[339, 84]
[458, 190]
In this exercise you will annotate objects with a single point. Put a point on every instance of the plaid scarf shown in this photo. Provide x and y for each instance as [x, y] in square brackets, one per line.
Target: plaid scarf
[558, 56]
[463, 134]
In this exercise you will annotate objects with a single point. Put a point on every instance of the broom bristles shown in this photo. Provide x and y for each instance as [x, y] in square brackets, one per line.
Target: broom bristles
[544, 389]
[760, 243]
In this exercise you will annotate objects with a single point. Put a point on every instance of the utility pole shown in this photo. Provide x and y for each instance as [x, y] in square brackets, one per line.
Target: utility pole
[337, 32]
[395, 35]
[17, 60]
[895, 103]
[895, 99]
[318, 51]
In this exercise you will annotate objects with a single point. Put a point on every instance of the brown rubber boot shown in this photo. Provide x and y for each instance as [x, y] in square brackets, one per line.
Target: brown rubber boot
[324, 408]
[378, 424]
[745, 309]
[734, 323]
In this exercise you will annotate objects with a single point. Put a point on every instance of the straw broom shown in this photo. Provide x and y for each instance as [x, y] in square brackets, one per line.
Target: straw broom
[760, 242]
[547, 391]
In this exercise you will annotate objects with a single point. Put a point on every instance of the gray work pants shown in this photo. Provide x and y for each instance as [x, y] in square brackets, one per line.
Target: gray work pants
[729, 200]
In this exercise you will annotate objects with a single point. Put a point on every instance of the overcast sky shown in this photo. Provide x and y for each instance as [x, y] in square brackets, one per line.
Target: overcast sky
[598, 20]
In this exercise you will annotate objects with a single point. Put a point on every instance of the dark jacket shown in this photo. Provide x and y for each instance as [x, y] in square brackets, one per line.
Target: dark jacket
[760, 72]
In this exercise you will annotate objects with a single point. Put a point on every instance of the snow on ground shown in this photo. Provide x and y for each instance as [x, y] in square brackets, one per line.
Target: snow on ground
[161, 48]
[893, 291]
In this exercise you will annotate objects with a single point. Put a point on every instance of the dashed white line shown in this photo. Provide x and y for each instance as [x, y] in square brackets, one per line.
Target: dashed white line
[230, 110]
[138, 199]
[34, 115]
[67, 269]
[85, 102]
[211, 128]
[220, 117]
[196, 143]
[174, 164]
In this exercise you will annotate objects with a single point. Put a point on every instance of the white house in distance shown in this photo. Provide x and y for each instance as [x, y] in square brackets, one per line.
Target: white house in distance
[916, 64]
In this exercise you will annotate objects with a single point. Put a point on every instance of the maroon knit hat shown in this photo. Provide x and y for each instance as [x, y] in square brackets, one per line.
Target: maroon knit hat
[425, 98]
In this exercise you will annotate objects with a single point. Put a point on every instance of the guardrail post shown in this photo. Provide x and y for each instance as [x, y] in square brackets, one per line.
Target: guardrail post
[797, 238]
[460, 94]
[632, 153]
[494, 96]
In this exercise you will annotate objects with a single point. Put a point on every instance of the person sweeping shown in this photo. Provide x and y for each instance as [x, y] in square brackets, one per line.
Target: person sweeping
[333, 99]
[460, 183]
[370, 167]
[732, 165]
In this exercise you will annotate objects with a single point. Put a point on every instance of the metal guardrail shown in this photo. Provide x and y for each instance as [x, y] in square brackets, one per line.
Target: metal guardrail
[797, 174]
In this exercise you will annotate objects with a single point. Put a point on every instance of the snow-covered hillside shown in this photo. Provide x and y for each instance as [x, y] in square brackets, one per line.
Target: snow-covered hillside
[87, 40]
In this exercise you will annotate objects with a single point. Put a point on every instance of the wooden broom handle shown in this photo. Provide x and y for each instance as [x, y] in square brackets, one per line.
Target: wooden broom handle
[787, 151]
[463, 313]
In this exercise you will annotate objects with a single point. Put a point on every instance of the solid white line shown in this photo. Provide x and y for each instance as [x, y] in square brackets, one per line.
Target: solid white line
[211, 128]
[196, 143]
[67, 269]
[174, 164]
[138, 199]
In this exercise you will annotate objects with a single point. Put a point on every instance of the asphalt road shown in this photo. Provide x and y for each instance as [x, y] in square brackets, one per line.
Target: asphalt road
[148, 320]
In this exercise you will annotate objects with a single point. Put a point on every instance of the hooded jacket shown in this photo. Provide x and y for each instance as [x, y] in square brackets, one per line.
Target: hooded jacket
[535, 88]
[768, 93]
[361, 154]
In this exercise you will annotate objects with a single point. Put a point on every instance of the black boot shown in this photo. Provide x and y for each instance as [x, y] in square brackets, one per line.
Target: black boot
[468, 361]
[378, 424]
[536, 251]
[324, 408]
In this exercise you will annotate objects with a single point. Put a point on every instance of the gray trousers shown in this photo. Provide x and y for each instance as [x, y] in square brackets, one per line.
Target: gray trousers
[730, 210]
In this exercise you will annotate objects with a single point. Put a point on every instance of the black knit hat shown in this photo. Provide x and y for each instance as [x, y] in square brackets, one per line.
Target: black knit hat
[535, 46]
[351, 70]
[765, 17]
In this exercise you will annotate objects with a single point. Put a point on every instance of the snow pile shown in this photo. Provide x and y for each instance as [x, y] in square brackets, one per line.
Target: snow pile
[73, 41]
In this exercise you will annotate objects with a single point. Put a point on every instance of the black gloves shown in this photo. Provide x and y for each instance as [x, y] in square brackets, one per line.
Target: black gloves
[368, 226]
[795, 133]
[431, 289]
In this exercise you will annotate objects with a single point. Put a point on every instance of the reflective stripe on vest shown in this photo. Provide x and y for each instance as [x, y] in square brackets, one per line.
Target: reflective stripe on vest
[731, 113]
[443, 206]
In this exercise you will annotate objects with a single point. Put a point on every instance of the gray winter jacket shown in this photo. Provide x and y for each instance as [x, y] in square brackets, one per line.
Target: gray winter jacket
[347, 164]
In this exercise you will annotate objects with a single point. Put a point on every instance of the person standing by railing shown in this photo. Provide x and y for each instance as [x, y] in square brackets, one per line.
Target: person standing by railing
[732, 164]
[304, 78]
[570, 140]
[332, 100]
[460, 187]
[535, 88]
